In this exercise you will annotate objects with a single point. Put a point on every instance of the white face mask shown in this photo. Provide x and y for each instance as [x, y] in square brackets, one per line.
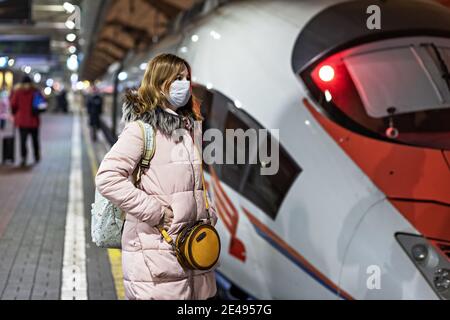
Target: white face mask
[179, 93]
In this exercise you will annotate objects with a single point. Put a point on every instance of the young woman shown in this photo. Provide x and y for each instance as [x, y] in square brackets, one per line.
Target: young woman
[170, 193]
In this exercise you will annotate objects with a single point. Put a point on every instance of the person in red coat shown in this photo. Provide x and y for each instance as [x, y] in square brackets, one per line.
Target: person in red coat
[25, 119]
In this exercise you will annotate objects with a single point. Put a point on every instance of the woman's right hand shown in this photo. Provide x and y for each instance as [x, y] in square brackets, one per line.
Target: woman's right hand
[167, 218]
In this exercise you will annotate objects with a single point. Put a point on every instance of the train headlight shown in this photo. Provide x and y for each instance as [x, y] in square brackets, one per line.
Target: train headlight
[326, 73]
[432, 263]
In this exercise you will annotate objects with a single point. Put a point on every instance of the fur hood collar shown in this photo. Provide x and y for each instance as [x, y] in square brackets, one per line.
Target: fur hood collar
[161, 120]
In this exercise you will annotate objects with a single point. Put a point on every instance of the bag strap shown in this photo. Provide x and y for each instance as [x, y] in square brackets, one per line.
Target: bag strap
[164, 233]
[203, 182]
[204, 193]
[148, 135]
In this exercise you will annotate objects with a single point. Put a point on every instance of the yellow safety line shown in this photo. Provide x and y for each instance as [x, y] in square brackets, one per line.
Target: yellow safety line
[115, 255]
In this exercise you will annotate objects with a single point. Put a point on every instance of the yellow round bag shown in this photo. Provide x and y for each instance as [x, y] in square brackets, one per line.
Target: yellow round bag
[197, 246]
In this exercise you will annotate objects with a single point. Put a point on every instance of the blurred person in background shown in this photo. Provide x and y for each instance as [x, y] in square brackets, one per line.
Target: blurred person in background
[61, 101]
[4, 108]
[25, 119]
[95, 109]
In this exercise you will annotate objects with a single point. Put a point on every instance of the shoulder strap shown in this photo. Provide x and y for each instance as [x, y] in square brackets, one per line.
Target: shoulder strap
[148, 135]
[203, 184]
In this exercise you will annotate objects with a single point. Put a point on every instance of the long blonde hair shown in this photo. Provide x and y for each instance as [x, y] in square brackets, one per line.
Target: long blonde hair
[161, 71]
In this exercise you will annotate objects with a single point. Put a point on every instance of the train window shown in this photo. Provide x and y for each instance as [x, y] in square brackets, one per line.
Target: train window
[265, 191]
[268, 191]
[232, 170]
[213, 107]
[401, 87]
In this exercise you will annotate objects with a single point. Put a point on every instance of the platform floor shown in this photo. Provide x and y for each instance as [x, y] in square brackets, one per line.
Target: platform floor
[45, 247]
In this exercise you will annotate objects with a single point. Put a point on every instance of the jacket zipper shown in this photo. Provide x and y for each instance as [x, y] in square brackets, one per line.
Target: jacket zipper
[191, 276]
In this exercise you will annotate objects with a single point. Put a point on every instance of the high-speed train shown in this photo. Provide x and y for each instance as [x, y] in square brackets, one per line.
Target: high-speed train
[360, 205]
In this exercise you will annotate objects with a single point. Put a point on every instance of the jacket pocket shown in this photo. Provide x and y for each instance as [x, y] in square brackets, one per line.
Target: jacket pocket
[163, 264]
[159, 258]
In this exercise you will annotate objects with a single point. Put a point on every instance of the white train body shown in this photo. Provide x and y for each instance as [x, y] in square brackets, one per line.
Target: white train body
[335, 233]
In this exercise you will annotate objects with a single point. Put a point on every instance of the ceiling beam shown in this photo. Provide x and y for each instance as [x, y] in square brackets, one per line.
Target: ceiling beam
[168, 10]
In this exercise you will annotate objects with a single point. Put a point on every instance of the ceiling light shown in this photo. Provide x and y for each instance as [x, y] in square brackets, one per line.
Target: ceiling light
[72, 49]
[72, 63]
[143, 66]
[3, 61]
[71, 37]
[37, 77]
[70, 24]
[122, 76]
[74, 77]
[68, 7]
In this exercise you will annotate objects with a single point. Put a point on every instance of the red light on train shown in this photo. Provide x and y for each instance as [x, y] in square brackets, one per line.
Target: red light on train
[326, 73]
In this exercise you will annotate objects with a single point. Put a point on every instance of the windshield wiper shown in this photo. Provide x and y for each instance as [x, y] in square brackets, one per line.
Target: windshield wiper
[442, 65]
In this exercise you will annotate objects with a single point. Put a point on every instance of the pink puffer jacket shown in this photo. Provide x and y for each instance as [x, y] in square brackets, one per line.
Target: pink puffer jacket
[151, 270]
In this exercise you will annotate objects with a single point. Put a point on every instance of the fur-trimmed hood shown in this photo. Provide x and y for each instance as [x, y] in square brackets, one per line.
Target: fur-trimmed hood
[161, 120]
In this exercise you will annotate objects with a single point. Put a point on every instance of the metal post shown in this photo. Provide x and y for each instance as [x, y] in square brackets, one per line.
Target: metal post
[115, 104]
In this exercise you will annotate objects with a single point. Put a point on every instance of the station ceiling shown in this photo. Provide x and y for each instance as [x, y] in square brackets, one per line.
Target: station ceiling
[127, 25]
[39, 19]
[109, 30]
[133, 24]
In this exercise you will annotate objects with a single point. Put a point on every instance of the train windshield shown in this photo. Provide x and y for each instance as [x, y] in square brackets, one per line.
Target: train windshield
[397, 92]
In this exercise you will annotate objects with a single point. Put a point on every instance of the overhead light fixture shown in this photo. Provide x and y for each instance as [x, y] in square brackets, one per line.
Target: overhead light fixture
[194, 38]
[49, 82]
[37, 77]
[71, 37]
[48, 91]
[122, 76]
[72, 63]
[11, 62]
[74, 77]
[79, 85]
[3, 61]
[68, 7]
[143, 66]
[27, 69]
[70, 24]
[72, 49]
